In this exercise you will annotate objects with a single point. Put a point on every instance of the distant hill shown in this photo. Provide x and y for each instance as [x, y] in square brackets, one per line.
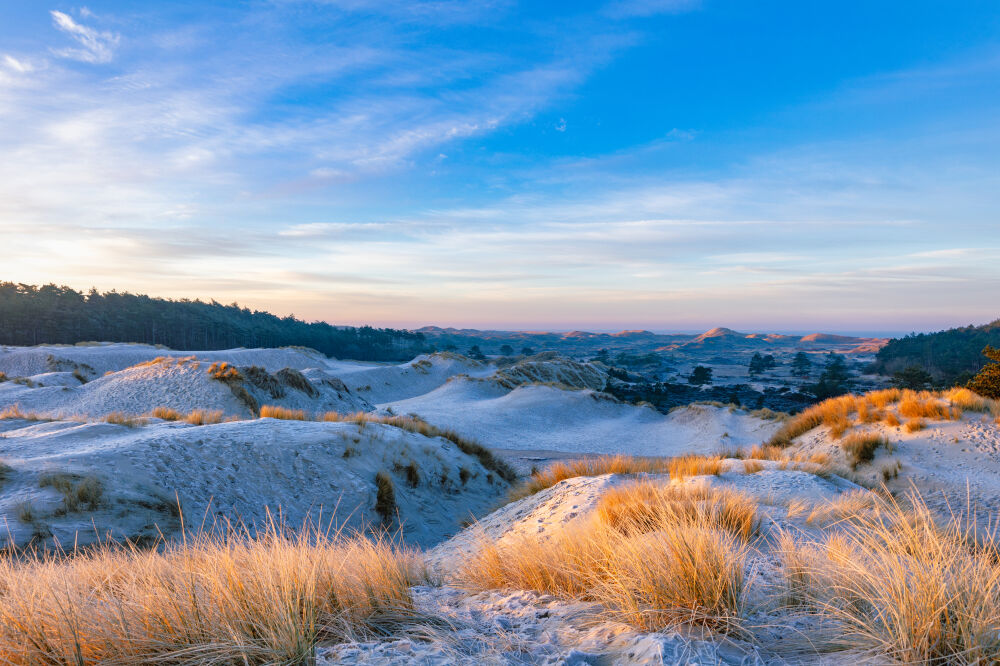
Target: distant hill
[586, 343]
[31, 315]
[950, 356]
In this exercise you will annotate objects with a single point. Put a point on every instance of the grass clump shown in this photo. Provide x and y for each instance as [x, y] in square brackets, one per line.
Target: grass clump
[282, 413]
[967, 400]
[292, 378]
[224, 372]
[915, 425]
[694, 464]
[642, 506]
[898, 581]
[591, 466]
[913, 406]
[216, 599]
[385, 497]
[77, 491]
[26, 512]
[861, 447]
[15, 412]
[673, 566]
[166, 413]
[127, 420]
[204, 416]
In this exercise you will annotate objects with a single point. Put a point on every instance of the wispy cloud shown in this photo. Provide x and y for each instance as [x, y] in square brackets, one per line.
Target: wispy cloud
[95, 46]
[292, 155]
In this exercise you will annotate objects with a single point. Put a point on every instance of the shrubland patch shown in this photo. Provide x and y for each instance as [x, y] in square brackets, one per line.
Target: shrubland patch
[891, 406]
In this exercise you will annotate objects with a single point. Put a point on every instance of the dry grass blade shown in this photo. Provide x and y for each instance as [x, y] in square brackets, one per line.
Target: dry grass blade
[216, 599]
[685, 563]
[916, 589]
[589, 466]
[282, 413]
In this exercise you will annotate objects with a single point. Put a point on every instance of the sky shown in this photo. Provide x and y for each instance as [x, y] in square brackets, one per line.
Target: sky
[621, 164]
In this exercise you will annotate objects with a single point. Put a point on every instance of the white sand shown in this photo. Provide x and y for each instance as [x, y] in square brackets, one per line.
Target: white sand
[237, 470]
[548, 418]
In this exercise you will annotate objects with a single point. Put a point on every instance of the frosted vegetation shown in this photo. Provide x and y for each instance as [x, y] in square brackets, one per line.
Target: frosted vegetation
[278, 506]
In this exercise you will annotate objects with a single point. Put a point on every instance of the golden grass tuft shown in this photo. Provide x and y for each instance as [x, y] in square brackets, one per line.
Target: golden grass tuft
[590, 466]
[680, 568]
[224, 372]
[845, 506]
[915, 406]
[916, 589]
[214, 599]
[204, 416]
[694, 464]
[282, 413]
[860, 447]
[752, 466]
[914, 425]
[15, 412]
[166, 413]
[643, 506]
[842, 413]
[884, 398]
[127, 420]
[963, 398]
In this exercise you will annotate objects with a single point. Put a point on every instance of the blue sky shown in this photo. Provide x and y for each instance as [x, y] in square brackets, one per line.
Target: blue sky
[662, 164]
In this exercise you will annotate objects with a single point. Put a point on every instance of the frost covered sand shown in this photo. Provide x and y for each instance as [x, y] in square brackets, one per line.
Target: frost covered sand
[526, 582]
[550, 418]
[235, 471]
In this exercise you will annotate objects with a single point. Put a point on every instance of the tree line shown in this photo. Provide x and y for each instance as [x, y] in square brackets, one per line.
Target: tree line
[950, 357]
[31, 315]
